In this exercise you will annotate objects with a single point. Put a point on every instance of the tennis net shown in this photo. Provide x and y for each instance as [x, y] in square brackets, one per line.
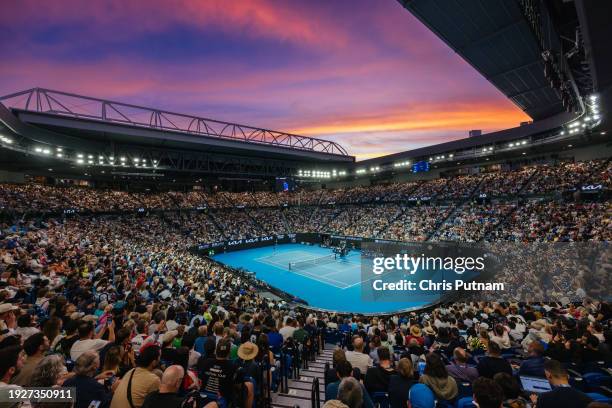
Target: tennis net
[306, 263]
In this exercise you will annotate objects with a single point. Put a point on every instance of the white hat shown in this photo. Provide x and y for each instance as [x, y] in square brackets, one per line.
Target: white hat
[169, 336]
[7, 307]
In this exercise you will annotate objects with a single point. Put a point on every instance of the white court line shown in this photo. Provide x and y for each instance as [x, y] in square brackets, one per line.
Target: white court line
[318, 278]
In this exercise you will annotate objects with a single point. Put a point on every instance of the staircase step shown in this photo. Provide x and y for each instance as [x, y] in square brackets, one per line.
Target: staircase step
[285, 401]
[301, 385]
[297, 393]
[319, 364]
[317, 369]
[309, 373]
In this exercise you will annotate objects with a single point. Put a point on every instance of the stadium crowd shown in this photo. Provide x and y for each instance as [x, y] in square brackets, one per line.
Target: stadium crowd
[117, 307]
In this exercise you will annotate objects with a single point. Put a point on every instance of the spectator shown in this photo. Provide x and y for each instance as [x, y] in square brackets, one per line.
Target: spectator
[344, 369]
[35, 347]
[49, 372]
[217, 372]
[167, 396]
[25, 327]
[459, 368]
[350, 393]
[487, 394]
[88, 389]
[357, 357]
[400, 384]
[436, 377]
[421, 396]
[493, 363]
[562, 395]
[378, 377]
[140, 381]
[534, 364]
[11, 361]
[511, 391]
[87, 340]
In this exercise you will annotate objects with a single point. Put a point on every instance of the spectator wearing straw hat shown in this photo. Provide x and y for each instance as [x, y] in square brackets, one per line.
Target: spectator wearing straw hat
[248, 369]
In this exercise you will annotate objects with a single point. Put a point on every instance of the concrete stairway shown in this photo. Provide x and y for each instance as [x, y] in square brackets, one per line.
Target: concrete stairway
[298, 394]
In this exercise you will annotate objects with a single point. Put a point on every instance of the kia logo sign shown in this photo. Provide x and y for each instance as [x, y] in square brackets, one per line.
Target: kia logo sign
[592, 187]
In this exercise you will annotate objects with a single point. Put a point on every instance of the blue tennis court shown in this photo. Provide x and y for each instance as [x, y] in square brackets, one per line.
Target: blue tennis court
[334, 284]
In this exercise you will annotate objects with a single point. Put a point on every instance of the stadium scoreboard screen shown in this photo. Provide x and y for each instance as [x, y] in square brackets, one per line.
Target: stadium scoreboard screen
[285, 184]
[421, 166]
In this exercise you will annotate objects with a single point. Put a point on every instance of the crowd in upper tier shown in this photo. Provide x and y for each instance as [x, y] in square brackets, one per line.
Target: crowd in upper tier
[525, 181]
[116, 306]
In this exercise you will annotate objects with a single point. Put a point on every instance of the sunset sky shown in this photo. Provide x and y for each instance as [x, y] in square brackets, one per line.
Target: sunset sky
[364, 73]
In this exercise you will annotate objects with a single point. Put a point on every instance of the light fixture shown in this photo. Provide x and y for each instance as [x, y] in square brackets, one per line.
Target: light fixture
[59, 155]
[38, 150]
[59, 149]
[80, 156]
[79, 161]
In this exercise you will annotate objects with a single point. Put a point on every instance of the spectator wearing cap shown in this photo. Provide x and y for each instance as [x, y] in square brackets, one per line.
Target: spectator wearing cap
[35, 347]
[562, 394]
[248, 369]
[89, 341]
[7, 314]
[493, 362]
[137, 383]
[459, 368]
[88, 389]
[421, 396]
[217, 372]
[416, 334]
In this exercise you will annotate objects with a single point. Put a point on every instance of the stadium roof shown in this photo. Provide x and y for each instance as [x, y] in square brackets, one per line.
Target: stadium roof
[496, 38]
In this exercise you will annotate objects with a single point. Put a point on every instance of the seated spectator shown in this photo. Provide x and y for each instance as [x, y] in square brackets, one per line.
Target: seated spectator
[501, 337]
[167, 396]
[217, 372]
[421, 396]
[357, 357]
[350, 393]
[400, 384]
[344, 370]
[35, 348]
[459, 368]
[436, 377]
[534, 364]
[416, 334]
[487, 394]
[337, 356]
[378, 377]
[140, 380]
[562, 394]
[11, 360]
[49, 372]
[25, 326]
[493, 362]
[511, 391]
[88, 389]
[87, 340]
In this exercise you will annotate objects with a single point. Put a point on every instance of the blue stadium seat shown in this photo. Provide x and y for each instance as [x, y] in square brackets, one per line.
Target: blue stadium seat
[465, 402]
[381, 399]
[593, 380]
[599, 397]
